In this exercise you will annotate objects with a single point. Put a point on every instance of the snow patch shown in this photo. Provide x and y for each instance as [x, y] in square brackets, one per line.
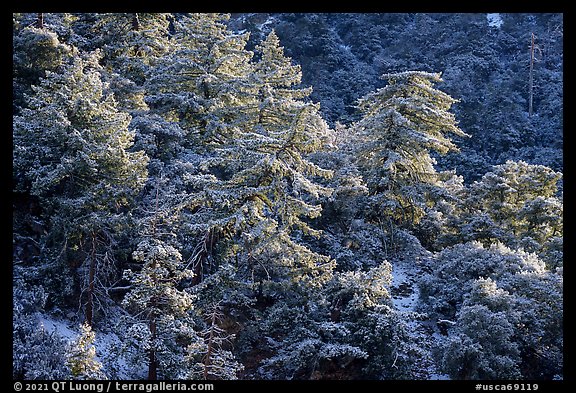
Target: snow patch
[270, 20]
[109, 353]
[345, 48]
[494, 20]
[108, 347]
[405, 294]
[52, 325]
[439, 377]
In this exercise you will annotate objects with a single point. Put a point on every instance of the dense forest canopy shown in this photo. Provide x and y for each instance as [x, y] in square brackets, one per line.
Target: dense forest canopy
[287, 196]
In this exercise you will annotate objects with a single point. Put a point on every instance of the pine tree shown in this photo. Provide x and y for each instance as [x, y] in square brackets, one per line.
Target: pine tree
[244, 134]
[35, 51]
[402, 124]
[132, 42]
[255, 188]
[202, 82]
[82, 356]
[211, 357]
[160, 321]
[515, 203]
[247, 186]
[71, 150]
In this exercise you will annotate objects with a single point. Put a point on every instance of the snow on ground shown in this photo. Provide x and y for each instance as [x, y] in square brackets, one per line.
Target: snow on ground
[270, 20]
[494, 20]
[405, 294]
[62, 328]
[108, 347]
[404, 291]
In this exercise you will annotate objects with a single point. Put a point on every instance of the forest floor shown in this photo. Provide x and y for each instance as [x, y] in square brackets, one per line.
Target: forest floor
[405, 295]
[109, 350]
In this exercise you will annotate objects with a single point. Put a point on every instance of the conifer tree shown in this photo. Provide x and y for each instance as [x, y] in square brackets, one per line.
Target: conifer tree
[71, 150]
[515, 203]
[160, 321]
[202, 81]
[211, 358]
[247, 186]
[131, 42]
[35, 51]
[256, 187]
[82, 356]
[402, 124]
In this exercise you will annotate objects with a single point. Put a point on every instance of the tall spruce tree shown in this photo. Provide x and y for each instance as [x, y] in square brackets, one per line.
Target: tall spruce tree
[257, 195]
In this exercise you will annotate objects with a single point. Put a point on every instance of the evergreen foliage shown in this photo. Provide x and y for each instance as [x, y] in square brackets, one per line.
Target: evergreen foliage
[184, 195]
[492, 296]
[37, 353]
[517, 204]
[402, 124]
[71, 151]
[160, 312]
[82, 356]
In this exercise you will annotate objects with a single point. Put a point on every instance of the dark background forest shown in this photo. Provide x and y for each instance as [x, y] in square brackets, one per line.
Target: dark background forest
[485, 67]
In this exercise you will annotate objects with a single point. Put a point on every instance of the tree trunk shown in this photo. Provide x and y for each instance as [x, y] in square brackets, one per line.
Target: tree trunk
[135, 22]
[210, 347]
[152, 362]
[91, 274]
[531, 80]
[40, 20]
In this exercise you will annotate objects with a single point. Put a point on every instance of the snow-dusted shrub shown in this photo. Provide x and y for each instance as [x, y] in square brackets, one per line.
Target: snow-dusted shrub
[502, 309]
[37, 353]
